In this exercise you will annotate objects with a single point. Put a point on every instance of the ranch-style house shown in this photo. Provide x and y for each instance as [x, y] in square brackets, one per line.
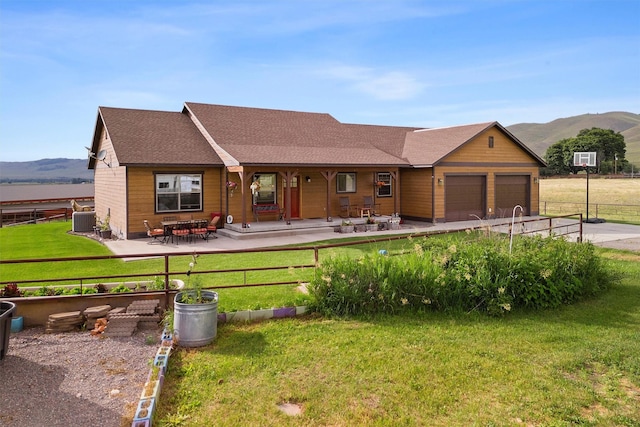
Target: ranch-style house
[251, 164]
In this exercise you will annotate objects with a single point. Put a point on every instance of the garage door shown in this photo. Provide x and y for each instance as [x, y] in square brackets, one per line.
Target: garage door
[511, 190]
[465, 197]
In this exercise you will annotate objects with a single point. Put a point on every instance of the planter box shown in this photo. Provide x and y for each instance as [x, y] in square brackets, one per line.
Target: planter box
[347, 228]
[195, 325]
[371, 227]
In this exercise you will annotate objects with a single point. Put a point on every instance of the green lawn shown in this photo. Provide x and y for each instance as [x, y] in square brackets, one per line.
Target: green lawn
[53, 240]
[579, 365]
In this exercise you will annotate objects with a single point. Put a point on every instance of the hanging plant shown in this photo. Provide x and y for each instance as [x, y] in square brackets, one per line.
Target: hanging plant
[255, 186]
[231, 186]
[380, 183]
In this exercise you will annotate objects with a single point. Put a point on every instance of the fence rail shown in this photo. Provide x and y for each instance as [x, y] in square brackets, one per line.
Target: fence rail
[596, 210]
[563, 226]
[33, 216]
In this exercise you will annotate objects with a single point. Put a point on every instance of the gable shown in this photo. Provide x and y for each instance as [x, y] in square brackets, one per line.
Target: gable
[478, 150]
[463, 144]
[144, 137]
[280, 137]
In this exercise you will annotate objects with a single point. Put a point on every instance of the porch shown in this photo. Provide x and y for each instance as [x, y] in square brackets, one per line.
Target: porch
[261, 229]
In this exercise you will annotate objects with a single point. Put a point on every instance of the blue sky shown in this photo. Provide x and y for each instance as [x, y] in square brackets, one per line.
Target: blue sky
[406, 63]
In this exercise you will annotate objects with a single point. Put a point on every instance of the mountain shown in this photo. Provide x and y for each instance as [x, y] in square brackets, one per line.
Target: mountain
[539, 136]
[45, 171]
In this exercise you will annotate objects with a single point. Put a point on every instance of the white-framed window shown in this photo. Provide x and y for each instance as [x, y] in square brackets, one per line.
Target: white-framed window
[264, 188]
[178, 192]
[383, 184]
[346, 182]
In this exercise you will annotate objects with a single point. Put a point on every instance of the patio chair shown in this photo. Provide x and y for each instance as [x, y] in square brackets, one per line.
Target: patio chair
[199, 231]
[369, 205]
[181, 230]
[212, 227]
[155, 233]
[345, 207]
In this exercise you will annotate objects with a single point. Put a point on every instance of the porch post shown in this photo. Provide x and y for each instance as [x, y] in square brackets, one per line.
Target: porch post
[241, 174]
[395, 175]
[288, 175]
[245, 177]
[329, 176]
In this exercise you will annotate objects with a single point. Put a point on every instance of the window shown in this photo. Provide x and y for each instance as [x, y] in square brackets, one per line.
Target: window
[346, 182]
[264, 190]
[176, 192]
[490, 142]
[383, 184]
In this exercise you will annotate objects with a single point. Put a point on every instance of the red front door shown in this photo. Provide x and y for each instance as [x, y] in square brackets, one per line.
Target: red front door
[295, 197]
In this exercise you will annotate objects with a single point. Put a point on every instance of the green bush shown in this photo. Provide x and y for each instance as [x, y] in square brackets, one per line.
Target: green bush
[462, 272]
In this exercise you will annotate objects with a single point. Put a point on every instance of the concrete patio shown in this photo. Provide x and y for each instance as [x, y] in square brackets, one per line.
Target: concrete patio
[278, 233]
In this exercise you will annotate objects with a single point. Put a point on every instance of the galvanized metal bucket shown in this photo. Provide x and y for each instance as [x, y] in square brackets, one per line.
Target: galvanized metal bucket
[195, 325]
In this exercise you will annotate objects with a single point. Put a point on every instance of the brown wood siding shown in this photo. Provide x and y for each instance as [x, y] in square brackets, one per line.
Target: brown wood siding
[142, 195]
[416, 193]
[477, 158]
[465, 197]
[511, 190]
[313, 195]
[490, 172]
[504, 150]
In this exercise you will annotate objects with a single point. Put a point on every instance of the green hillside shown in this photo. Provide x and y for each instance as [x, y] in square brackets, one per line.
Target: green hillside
[539, 136]
[46, 170]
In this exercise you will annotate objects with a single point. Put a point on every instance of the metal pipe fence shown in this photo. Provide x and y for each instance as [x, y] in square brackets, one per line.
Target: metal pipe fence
[611, 211]
[565, 226]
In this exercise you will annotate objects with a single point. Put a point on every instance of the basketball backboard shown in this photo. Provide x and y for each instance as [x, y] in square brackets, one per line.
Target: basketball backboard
[584, 159]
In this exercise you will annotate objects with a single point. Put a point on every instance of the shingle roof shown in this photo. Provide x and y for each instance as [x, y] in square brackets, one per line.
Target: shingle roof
[425, 147]
[256, 136]
[156, 137]
[279, 137]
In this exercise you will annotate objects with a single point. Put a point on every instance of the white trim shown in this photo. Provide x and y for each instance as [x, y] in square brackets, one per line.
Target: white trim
[226, 158]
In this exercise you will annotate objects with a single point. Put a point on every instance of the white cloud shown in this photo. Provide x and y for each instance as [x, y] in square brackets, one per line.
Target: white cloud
[386, 85]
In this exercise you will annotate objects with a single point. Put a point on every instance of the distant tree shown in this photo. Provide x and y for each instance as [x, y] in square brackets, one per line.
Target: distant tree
[558, 158]
[607, 143]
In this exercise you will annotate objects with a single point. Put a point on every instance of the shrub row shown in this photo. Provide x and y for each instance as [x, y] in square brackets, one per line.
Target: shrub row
[462, 272]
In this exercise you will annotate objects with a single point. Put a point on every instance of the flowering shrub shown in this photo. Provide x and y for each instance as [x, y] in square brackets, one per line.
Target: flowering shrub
[457, 273]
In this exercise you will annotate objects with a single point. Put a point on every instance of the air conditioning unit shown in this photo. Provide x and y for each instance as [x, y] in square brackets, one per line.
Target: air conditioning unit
[83, 221]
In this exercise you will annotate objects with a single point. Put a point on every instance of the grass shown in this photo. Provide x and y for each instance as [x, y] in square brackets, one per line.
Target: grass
[53, 240]
[568, 196]
[576, 365]
[579, 364]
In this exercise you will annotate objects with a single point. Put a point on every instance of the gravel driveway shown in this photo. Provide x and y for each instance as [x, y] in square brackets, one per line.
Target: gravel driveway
[73, 378]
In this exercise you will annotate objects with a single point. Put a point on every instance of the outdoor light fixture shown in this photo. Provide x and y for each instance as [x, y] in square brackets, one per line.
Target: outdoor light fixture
[307, 178]
[440, 181]
[535, 179]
